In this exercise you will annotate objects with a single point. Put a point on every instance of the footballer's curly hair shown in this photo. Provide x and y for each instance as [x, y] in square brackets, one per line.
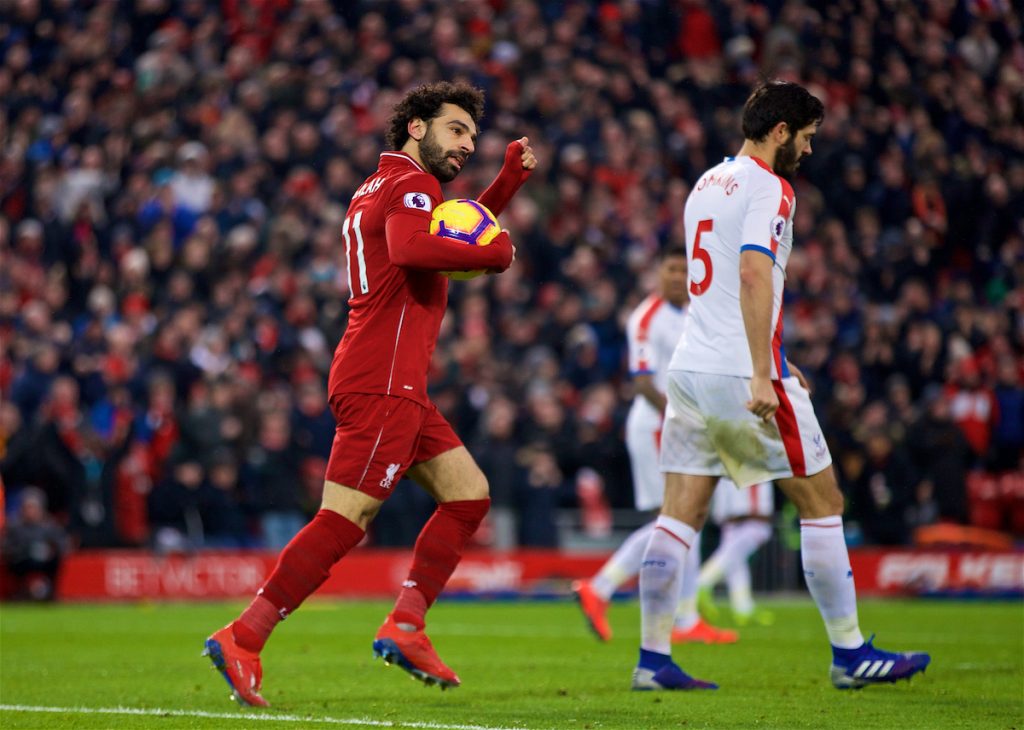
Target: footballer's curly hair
[425, 103]
[780, 101]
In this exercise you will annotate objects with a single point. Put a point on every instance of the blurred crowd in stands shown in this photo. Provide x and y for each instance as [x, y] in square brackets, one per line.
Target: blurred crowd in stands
[174, 174]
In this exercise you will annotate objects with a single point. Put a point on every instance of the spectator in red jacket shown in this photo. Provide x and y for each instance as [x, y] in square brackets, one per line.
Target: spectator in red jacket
[973, 406]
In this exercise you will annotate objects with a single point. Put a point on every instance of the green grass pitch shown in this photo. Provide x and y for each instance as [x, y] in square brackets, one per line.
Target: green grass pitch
[523, 665]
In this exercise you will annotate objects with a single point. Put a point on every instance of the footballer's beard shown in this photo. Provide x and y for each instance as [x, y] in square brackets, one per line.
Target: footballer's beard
[436, 159]
[786, 159]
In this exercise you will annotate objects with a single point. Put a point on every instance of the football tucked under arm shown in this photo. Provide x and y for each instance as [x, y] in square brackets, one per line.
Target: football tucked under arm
[412, 246]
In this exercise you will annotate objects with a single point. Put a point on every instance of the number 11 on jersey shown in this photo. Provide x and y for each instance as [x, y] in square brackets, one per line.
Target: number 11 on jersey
[364, 285]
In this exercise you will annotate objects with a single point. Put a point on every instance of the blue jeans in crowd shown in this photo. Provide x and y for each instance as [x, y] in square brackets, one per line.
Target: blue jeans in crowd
[280, 527]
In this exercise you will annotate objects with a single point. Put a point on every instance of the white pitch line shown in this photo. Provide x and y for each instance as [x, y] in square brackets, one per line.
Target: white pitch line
[249, 717]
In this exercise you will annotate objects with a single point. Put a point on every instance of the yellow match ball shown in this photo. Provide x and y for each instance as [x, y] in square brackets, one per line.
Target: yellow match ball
[468, 222]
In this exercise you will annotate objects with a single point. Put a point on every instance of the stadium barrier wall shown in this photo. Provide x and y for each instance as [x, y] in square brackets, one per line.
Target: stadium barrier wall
[104, 575]
[938, 572]
[369, 573]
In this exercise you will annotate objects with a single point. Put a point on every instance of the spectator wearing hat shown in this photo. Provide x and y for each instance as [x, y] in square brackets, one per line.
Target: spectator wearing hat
[191, 184]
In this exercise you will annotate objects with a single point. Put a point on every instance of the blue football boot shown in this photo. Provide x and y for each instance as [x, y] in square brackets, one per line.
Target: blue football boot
[856, 668]
[658, 672]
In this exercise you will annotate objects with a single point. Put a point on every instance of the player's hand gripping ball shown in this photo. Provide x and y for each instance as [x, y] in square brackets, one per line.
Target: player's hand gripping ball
[465, 221]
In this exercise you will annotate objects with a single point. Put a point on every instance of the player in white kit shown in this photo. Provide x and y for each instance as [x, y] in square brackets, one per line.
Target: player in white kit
[652, 332]
[737, 407]
[745, 519]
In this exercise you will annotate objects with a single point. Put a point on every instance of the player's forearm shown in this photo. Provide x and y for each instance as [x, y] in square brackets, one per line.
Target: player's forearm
[644, 385]
[434, 253]
[499, 193]
[756, 299]
[417, 249]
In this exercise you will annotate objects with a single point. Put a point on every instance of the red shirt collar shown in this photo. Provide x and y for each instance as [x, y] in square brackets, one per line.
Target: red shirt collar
[396, 156]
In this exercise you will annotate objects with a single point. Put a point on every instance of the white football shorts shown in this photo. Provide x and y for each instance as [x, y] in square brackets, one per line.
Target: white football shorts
[708, 430]
[730, 502]
[642, 442]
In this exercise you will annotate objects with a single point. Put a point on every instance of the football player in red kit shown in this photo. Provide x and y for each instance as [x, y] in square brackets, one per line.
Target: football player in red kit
[386, 425]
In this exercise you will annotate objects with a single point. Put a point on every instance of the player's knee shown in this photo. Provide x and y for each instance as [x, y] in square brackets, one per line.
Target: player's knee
[820, 504]
[693, 514]
[477, 487]
[469, 512]
[816, 496]
[835, 502]
[828, 499]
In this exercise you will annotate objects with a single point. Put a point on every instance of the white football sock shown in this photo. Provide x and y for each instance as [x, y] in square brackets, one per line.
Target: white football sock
[713, 569]
[740, 540]
[686, 609]
[826, 564]
[660, 579]
[741, 597]
[623, 564]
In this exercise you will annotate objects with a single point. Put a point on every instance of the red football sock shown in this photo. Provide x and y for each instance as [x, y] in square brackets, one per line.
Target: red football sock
[437, 552]
[302, 567]
[253, 627]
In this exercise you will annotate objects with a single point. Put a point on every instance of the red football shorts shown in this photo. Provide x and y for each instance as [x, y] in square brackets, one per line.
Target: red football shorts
[378, 437]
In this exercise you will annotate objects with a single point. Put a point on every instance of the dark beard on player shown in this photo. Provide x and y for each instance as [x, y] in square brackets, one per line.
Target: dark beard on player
[435, 159]
[786, 159]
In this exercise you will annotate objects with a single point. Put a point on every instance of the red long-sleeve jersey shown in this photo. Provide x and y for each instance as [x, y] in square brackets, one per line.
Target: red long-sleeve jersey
[398, 298]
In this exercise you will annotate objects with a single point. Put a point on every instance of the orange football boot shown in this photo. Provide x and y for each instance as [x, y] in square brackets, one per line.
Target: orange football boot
[240, 668]
[413, 652]
[704, 633]
[594, 608]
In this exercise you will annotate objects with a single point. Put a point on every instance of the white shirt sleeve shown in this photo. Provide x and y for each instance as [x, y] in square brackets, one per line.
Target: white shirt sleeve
[640, 335]
[766, 218]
